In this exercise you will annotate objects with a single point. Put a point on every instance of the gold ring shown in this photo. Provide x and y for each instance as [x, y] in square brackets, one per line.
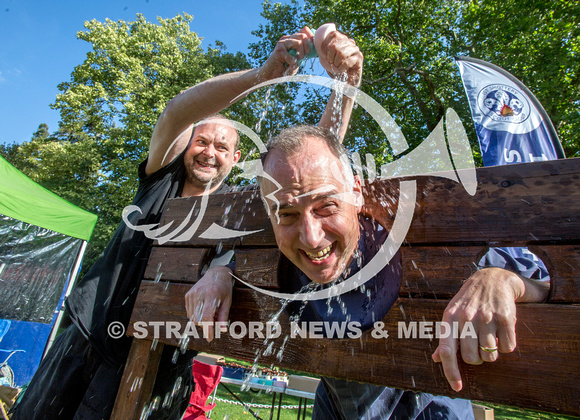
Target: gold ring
[488, 349]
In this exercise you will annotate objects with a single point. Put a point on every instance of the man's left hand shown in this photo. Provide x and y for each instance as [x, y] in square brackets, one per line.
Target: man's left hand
[486, 300]
[340, 54]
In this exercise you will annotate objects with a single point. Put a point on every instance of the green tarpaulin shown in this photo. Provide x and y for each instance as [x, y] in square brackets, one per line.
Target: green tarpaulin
[23, 199]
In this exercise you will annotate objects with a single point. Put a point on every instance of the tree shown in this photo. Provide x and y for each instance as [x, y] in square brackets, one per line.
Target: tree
[108, 111]
[409, 48]
[117, 93]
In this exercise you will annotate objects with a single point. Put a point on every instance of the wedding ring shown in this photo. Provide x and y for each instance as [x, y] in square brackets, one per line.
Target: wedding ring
[488, 349]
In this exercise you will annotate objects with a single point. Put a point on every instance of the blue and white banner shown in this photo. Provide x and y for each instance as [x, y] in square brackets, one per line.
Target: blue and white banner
[511, 125]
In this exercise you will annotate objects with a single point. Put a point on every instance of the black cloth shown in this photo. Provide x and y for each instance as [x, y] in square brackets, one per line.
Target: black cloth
[73, 382]
[79, 377]
[108, 291]
[339, 399]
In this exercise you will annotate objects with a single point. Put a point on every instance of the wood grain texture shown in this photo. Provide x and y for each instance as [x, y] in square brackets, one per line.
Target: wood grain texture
[258, 266]
[530, 204]
[563, 264]
[241, 211]
[176, 264]
[546, 357]
[514, 205]
[437, 271]
[138, 380]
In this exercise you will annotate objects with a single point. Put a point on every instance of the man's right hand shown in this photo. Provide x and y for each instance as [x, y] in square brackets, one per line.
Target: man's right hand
[281, 62]
[210, 299]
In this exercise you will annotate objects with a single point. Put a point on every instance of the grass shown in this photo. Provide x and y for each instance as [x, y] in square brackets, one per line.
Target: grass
[224, 410]
[228, 411]
[503, 412]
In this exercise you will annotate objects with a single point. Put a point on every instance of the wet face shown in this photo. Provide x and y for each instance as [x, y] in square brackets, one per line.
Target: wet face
[314, 214]
[211, 155]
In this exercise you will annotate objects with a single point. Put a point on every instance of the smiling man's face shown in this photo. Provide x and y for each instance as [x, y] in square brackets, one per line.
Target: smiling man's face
[211, 154]
[315, 212]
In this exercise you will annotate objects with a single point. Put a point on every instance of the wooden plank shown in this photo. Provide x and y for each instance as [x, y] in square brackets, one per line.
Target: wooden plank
[258, 266]
[138, 380]
[563, 264]
[514, 204]
[428, 271]
[237, 211]
[176, 264]
[437, 271]
[546, 357]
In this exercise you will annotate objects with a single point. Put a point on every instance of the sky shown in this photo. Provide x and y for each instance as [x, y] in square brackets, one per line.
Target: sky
[39, 49]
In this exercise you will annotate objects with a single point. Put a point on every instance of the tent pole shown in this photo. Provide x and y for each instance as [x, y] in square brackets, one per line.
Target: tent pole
[71, 283]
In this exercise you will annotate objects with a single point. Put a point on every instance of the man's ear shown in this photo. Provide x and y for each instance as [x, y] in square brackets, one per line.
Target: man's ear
[357, 191]
[237, 155]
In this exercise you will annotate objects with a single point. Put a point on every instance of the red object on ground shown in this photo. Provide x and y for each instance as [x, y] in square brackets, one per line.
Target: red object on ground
[207, 378]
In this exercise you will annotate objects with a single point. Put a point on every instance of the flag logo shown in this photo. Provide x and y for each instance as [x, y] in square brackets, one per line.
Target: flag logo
[502, 104]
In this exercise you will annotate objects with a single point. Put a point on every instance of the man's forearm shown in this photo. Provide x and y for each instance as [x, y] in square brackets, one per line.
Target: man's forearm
[342, 58]
[326, 120]
[534, 291]
[171, 134]
[204, 99]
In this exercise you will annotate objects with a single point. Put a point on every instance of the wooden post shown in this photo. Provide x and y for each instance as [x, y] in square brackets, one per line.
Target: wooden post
[138, 380]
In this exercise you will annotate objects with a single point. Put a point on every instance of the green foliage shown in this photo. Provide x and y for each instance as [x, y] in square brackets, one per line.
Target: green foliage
[108, 111]
[116, 95]
[539, 43]
[409, 48]
[280, 107]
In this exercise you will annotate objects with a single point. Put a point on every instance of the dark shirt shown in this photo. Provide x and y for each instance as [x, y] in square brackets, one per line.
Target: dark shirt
[108, 291]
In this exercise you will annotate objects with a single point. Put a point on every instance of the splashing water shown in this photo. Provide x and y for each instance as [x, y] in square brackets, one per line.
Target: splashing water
[159, 273]
[267, 347]
[336, 118]
[258, 126]
[175, 356]
[281, 349]
[183, 343]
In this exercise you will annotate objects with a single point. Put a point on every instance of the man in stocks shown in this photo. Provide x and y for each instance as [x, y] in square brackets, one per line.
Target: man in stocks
[315, 215]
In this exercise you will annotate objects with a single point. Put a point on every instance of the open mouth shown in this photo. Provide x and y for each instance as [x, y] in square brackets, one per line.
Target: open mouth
[320, 255]
[206, 164]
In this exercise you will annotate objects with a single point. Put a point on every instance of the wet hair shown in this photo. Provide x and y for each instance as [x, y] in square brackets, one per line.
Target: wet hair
[291, 140]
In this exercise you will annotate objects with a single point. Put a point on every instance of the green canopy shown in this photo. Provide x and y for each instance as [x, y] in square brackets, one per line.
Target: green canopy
[23, 199]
